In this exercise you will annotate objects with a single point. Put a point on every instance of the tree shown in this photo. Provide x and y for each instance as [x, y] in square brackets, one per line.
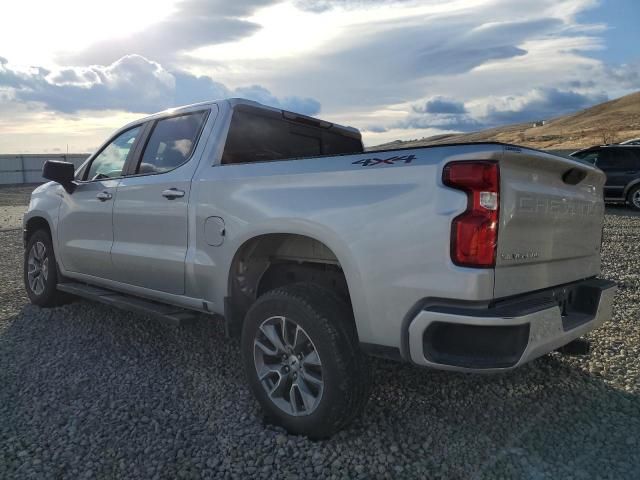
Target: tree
[608, 135]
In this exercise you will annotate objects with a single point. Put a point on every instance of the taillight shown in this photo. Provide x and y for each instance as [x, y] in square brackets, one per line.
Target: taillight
[474, 233]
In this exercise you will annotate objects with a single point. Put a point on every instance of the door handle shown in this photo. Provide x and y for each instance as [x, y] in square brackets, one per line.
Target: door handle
[104, 196]
[172, 193]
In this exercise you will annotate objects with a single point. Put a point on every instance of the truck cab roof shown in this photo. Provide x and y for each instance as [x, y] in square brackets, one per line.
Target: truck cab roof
[234, 102]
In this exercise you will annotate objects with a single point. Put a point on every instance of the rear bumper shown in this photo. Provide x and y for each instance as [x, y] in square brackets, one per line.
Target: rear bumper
[508, 333]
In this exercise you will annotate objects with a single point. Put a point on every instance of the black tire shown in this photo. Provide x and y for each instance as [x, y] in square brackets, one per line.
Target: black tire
[49, 296]
[633, 198]
[327, 322]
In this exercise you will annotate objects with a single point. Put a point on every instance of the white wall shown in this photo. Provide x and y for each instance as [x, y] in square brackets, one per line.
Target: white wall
[28, 168]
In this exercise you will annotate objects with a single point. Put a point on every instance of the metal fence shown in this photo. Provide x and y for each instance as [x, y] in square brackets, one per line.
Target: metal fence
[28, 168]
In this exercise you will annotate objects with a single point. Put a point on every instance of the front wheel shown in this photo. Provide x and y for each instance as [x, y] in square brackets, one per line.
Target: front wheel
[302, 360]
[40, 272]
[634, 198]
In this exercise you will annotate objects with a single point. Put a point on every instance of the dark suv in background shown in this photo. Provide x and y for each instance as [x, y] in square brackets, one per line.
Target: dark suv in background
[621, 163]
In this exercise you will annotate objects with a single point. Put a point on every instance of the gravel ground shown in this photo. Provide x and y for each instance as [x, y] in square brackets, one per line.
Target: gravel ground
[11, 217]
[13, 203]
[12, 195]
[91, 392]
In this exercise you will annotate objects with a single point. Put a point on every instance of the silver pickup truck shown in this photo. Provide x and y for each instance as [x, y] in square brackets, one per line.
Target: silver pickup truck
[477, 257]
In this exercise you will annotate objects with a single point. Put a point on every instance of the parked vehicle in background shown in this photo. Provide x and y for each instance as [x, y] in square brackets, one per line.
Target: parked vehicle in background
[472, 257]
[633, 141]
[621, 164]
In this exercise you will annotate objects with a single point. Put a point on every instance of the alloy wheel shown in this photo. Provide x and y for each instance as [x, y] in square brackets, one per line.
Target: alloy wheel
[288, 366]
[38, 268]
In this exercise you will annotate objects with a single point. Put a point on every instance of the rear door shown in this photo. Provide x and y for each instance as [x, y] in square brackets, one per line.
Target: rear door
[150, 220]
[621, 167]
[550, 227]
[85, 228]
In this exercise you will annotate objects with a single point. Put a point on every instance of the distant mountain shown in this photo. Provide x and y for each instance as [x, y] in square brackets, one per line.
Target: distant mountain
[608, 122]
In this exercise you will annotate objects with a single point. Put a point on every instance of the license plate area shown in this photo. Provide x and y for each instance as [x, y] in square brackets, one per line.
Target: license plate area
[578, 303]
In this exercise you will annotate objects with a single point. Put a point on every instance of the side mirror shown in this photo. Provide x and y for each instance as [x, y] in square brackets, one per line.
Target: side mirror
[61, 172]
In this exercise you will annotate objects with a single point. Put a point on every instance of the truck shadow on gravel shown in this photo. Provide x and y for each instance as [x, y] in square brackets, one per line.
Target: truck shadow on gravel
[91, 391]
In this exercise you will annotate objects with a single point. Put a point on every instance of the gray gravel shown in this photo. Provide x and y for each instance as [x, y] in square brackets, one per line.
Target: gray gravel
[13, 203]
[91, 392]
[16, 195]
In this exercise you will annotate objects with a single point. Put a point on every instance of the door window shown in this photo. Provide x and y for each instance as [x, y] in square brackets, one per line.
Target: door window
[589, 157]
[110, 161]
[605, 160]
[171, 143]
[625, 160]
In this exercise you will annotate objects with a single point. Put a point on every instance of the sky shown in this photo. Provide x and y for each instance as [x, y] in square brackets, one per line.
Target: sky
[73, 71]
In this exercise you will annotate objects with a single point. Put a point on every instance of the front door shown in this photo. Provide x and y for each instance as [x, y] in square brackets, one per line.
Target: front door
[85, 223]
[150, 220]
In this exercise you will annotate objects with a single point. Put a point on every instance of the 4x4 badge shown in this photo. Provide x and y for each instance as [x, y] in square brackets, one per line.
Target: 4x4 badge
[369, 162]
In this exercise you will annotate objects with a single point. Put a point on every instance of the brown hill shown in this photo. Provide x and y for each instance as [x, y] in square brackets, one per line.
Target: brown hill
[608, 122]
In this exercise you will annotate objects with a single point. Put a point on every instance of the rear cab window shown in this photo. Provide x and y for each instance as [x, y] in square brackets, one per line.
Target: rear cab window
[257, 135]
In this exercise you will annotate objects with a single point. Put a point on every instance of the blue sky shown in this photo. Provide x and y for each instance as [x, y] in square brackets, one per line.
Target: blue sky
[396, 69]
[621, 37]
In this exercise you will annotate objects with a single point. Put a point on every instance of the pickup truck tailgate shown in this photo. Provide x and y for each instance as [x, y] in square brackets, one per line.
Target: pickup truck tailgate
[550, 227]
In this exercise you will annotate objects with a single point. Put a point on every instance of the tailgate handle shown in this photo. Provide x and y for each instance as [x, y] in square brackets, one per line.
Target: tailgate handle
[574, 176]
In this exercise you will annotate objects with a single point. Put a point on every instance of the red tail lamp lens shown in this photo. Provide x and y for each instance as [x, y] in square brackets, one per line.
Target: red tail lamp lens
[474, 233]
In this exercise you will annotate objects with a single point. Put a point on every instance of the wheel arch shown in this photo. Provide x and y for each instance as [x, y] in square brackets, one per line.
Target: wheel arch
[630, 186]
[35, 223]
[259, 260]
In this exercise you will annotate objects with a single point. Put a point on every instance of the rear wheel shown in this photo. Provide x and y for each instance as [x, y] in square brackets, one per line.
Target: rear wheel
[40, 271]
[634, 198]
[302, 360]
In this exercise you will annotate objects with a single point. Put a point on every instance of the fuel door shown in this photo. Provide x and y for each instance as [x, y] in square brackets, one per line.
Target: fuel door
[214, 231]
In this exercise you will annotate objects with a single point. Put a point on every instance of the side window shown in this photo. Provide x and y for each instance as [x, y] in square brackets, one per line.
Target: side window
[258, 136]
[605, 160]
[589, 157]
[110, 161]
[171, 142]
[625, 160]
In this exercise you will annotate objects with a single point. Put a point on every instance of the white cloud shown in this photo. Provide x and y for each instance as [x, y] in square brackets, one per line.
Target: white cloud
[394, 68]
[538, 104]
[193, 24]
[441, 105]
[382, 56]
[131, 84]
